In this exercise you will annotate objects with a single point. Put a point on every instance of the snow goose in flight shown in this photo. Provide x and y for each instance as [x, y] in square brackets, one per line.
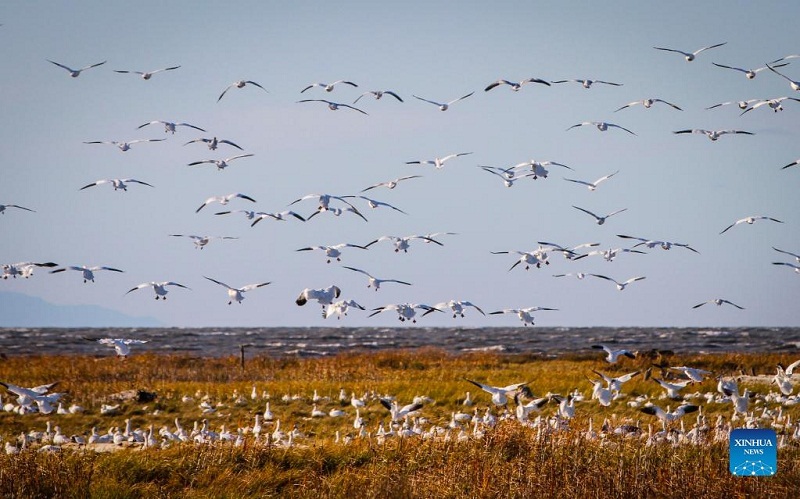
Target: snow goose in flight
[4, 206]
[223, 200]
[323, 296]
[201, 241]
[122, 346]
[213, 143]
[613, 355]
[673, 388]
[774, 104]
[794, 84]
[334, 106]
[569, 253]
[146, 75]
[24, 269]
[328, 87]
[334, 251]
[340, 308]
[221, 164]
[117, 183]
[338, 212]
[718, 302]
[240, 84]
[170, 127]
[402, 243]
[693, 373]
[391, 184]
[378, 94]
[743, 104]
[524, 314]
[690, 56]
[374, 203]
[648, 103]
[237, 294]
[601, 125]
[795, 255]
[279, 216]
[500, 394]
[601, 394]
[748, 73]
[458, 307]
[749, 220]
[515, 86]
[615, 383]
[374, 282]
[88, 272]
[598, 219]
[323, 199]
[123, 146]
[620, 285]
[579, 275]
[444, 106]
[437, 162]
[794, 266]
[406, 311]
[530, 258]
[505, 174]
[398, 413]
[652, 243]
[587, 83]
[76, 72]
[537, 167]
[669, 416]
[713, 135]
[160, 288]
[592, 185]
[610, 254]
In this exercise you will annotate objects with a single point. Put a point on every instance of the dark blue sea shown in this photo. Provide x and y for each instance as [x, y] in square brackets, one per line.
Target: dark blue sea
[317, 342]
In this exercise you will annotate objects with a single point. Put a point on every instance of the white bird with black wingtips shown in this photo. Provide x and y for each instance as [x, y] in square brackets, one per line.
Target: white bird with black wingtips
[374, 282]
[223, 200]
[444, 106]
[613, 355]
[160, 288]
[328, 87]
[437, 162]
[648, 103]
[88, 272]
[334, 251]
[718, 302]
[119, 184]
[601, 125]
[515, 86]
[458, 307]
[76, 72]
[600, 220]
[170, 127]
[620, 285]
[240, 84]
[123, 146]
[237, 294]
[524, 314]
[750, 221]
[146, 75]
[221, 164]
[592, 186]
[7, 205]
[690, 56]
[201, 241]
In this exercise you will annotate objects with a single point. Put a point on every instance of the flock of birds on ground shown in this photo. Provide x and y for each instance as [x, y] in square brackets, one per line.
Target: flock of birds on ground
[409, 420]
[424, 418]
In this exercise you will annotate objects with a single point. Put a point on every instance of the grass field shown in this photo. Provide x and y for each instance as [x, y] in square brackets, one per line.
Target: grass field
[545, 457]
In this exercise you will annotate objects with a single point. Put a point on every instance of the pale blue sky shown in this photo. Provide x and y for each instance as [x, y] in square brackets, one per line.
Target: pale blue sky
[682, 188]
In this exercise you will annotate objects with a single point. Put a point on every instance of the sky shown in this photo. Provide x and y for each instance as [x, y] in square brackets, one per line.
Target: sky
[676, 187]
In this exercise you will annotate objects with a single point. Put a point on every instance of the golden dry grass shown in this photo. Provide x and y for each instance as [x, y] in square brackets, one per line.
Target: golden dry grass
[510, 461]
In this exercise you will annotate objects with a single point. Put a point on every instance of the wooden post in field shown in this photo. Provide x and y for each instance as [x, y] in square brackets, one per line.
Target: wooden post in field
[241, 350]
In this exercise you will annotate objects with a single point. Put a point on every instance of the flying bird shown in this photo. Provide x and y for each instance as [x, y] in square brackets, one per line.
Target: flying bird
[743, 104]
[538, 168]
[774, 104]
[503, 174]
[170, 127]
[237, 294]
[458, 307]
[334, 106]
[122, 346]
[749, 220]
[690, 56]
[444, 106]
[794, 266]
[201, 241]
[76, 72]
[612, 355]
[405, 311]
[620, 285]
[669, 416]
[648, 103]
[4, 206]
[652, 243]
[324, 296]
[117, 183]
[374, 282]
[340, 308]
[524, 314]
[279, 216]
[438, 162]
[24, 269]
[213, 143]
[586, 83]
[794, 84]
[123, 146]
[160, 288]
[378, 94]
[795, 255]
[500, 394]
[146, 75]
[718, 302]
[391, 184]
[374, 203]
[328, 87]
[748, 73]
[592, 185]
[601, 125]
[240, 84]
[515, 86]
[223, 200]
[600, 220]
[88, 272]
[221, 164]
[713, 135]
[402, 243]
[334, 251]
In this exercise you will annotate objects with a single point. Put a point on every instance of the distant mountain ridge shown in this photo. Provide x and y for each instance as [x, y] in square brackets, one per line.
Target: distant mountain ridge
[19, 310]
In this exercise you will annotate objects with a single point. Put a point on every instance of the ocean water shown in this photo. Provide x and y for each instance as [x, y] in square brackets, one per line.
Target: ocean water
[310, 342]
